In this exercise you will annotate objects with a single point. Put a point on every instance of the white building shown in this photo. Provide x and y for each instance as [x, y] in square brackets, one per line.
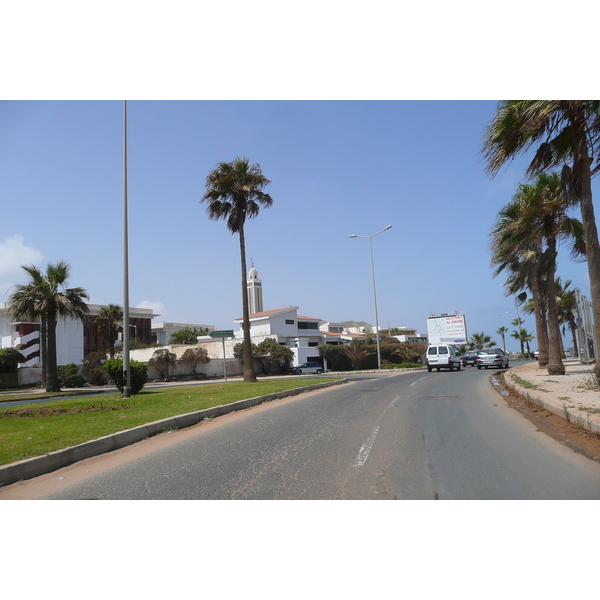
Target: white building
[287, 327]
[74, 339]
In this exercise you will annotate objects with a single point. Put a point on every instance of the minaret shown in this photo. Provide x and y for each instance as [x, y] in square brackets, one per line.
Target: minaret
[254, 285]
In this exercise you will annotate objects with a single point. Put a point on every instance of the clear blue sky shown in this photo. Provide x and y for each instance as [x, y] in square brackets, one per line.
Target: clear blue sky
[337, 168]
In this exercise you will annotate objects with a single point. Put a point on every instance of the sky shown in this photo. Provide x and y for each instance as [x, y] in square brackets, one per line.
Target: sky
[337, 167]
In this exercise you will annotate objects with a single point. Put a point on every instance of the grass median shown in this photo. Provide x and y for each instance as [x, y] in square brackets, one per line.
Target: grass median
[31, 430]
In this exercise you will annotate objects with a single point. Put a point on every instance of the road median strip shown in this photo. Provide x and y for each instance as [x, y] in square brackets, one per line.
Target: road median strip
[40, 465]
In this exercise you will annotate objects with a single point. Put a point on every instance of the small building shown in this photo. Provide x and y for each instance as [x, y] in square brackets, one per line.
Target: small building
[299, 333]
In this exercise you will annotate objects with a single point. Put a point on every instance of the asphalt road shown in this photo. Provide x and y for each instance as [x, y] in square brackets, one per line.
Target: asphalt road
[418, 435]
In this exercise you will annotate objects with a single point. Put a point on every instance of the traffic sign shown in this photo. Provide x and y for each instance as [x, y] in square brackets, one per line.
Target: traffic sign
[223, 333]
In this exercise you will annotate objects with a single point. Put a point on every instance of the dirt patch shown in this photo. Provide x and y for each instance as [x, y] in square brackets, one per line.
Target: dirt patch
[579, 440]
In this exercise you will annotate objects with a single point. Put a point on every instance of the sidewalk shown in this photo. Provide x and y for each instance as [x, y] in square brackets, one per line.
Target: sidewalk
[571, 396]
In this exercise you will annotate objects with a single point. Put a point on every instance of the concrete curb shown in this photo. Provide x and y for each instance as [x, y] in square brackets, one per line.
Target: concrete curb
[40, 465]
[553, 405]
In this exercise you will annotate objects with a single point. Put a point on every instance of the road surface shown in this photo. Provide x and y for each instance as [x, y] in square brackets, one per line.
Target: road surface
[417, 435]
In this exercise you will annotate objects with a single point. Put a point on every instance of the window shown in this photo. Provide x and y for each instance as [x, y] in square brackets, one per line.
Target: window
[312, 344]
[289, 321]
[308, 325]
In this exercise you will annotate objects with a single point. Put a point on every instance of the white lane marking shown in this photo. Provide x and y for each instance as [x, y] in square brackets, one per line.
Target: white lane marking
[415, 382]
[365, 449]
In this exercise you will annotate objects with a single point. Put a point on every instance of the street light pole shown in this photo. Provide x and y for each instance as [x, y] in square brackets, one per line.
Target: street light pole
[126, 361]
[370, 238]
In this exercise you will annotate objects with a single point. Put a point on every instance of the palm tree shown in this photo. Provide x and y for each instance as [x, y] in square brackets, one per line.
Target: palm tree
[47, 296]
[502, 331]
[357, 352]
[566, 309]
[514, 249]
[109, 321]
[481, 340]
[565, 133]
[234, 191]
[524, 337]
[540, 221]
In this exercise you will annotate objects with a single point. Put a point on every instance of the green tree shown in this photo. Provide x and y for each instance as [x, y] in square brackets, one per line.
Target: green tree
[139, 374]
[163, 360]
[564, 133]
[109, 322]
[502, 331]
[357, 352]
[234, 191]
[187, 335]
[479, 341]
[270, 352]
[192, 357]
[524, 337]
[538, 220]
[48, 297]
[567, 304]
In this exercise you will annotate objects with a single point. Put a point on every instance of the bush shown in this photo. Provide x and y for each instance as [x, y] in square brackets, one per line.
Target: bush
[68, 376]
[93, 369]
[138, 370]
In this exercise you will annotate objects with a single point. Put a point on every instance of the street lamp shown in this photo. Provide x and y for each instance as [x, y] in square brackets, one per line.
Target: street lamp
[370, 238]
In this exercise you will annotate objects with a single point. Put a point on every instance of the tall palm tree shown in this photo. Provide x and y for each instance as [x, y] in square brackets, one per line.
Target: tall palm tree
[565, 133]
[234, 191]
[541, 220]
[567, 303]
[46, 295]
[516, 251]
[109, 321]
[502, 331]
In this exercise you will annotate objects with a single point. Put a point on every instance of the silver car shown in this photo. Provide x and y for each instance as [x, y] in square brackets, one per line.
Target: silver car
[308, 367]
[491, 357]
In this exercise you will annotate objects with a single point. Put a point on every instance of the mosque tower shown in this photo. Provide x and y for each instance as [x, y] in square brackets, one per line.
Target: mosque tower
[254, 286]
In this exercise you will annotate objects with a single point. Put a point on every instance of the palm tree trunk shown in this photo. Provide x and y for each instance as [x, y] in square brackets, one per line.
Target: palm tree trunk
[540, 324]
[590, 234]
[52, 369]
[555, 365]
[249, 374]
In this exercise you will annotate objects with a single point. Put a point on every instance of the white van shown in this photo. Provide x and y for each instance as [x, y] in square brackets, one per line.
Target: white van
[442, 356]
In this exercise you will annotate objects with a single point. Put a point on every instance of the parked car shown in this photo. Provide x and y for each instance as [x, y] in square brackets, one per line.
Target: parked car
[469, 358]
[491, 357]
[442, 356]
[308, 367]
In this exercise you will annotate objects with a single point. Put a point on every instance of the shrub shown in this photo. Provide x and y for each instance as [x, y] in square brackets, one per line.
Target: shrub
[192, 356]
[162, 360]
[138, 371]
[68, 376]
[93, 369]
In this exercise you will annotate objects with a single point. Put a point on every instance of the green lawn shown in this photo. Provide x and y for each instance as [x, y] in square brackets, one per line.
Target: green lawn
[36, 429]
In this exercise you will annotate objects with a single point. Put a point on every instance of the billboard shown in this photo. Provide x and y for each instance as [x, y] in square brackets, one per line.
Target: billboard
[447, 329]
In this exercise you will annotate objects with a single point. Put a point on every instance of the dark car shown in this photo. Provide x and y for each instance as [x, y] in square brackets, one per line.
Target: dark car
[469, 358]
